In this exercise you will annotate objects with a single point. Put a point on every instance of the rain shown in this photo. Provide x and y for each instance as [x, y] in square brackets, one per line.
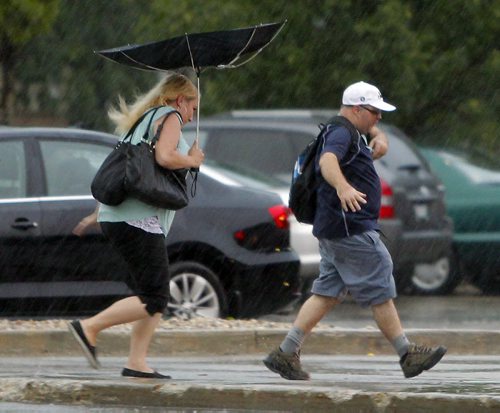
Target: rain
[236, 252]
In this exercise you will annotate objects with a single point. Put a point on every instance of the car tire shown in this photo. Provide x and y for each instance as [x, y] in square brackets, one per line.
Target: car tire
[440, 278]
[195, 291]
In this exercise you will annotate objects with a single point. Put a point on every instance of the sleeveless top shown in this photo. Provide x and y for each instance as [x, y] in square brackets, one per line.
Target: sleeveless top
[137, 213]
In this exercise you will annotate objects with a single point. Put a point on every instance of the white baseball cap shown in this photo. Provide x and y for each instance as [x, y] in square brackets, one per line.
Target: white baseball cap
[362, 93]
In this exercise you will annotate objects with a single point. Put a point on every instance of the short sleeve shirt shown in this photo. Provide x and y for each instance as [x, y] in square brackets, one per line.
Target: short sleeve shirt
[331, 221]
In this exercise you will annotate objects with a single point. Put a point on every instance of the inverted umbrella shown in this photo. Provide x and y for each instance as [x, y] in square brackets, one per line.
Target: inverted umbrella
[219, 49]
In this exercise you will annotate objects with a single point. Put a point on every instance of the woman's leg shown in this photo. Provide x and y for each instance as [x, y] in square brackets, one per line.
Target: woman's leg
[127, 310]
[147, 259]
[142, 332]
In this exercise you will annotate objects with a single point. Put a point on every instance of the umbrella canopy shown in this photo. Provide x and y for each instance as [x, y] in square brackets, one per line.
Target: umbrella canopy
[220, 49]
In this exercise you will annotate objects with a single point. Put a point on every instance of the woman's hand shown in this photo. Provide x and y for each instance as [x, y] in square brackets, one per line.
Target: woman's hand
[88, 222]
[196, 154]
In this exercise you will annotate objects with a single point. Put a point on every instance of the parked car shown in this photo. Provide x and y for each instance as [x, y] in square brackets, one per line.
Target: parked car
[229, 250]
[472, 183]
[413, 220]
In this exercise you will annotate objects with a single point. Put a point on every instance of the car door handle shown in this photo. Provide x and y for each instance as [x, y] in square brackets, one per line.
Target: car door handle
[24, 224]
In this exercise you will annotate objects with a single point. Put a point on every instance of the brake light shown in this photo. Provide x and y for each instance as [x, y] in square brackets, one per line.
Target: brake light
[387, 202]
[280, 214]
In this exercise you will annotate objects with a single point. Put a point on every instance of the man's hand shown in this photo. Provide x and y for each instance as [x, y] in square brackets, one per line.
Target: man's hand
[379, 142]
[350, 198]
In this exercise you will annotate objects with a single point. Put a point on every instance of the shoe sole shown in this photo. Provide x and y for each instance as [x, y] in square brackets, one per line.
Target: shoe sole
[435, 359]
[271, 366]
[88, 355]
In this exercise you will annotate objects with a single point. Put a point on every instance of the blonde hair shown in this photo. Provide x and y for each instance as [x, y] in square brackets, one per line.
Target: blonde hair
[165, 92]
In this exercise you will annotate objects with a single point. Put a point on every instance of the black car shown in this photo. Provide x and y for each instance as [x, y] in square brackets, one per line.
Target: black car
[229, 249]
[413, 220]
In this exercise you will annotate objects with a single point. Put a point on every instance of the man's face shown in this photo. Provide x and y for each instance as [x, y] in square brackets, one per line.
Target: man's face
[368, 116]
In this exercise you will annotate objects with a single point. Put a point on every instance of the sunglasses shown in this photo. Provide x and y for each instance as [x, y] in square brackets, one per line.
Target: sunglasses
[373, 111]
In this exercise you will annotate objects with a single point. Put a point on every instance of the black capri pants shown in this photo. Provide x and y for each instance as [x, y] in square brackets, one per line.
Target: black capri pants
[146, 257]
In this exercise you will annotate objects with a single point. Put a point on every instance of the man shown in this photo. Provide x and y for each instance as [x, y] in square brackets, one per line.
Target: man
[353, 259]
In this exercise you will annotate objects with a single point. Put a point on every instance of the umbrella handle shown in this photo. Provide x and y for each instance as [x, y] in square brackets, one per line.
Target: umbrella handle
[198, 107]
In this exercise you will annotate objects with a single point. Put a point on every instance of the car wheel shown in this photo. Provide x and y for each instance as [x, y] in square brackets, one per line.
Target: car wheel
[440, 277]
[195, 291]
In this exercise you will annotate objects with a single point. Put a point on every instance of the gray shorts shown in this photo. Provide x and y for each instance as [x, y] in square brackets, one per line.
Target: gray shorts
[359, 264]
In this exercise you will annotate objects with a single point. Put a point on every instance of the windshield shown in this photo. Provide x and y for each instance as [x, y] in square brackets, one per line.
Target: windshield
[246, 176]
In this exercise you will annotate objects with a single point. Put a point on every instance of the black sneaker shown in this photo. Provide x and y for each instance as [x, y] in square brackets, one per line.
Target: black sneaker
[88, 350]
[143, 375]
[287, 365]
[420, 358]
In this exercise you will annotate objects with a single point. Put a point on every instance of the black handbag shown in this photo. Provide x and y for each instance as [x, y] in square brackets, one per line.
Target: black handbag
[131, 170]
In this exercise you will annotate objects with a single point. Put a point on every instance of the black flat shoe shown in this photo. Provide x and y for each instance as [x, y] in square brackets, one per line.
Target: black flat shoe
[140, 374]
[88, 350]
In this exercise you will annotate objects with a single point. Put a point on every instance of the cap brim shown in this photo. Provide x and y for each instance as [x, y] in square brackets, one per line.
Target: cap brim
[386, 107]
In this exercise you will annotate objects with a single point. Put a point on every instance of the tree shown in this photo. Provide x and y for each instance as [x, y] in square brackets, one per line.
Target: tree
[20, 21]
[437, 60]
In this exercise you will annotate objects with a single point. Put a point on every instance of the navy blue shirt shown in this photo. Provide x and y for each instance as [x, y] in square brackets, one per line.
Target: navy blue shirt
[331, 221]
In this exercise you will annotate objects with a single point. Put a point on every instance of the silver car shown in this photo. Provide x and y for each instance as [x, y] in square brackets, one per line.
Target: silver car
[263, 146]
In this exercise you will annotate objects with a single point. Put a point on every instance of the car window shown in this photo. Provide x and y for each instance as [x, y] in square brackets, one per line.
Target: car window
[190, 134]
[267, 151]
[71, 166]
[12, 170]
[474, 167]
[402, 153]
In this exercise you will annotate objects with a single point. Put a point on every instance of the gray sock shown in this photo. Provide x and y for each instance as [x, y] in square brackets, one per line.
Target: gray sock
[293, 341]
[401, 344]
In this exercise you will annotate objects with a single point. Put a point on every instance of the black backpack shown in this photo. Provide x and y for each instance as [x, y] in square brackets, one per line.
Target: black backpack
[302, 197]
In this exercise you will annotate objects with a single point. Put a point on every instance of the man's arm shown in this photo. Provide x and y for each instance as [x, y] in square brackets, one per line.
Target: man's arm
[350, 198]
[379, 142]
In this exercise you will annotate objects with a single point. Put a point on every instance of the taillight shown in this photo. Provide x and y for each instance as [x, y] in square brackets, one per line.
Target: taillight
[387, 202]
[280, 214]
[270, 236]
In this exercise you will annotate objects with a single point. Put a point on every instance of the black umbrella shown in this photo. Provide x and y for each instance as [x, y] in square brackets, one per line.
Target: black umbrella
[220, 49]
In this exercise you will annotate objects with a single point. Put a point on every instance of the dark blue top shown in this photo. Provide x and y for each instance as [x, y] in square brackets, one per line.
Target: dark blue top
[331, 221]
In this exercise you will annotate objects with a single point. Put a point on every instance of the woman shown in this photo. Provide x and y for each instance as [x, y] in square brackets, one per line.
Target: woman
[137, 230]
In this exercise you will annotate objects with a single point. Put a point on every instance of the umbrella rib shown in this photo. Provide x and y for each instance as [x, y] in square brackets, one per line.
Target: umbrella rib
[231, 66]
[142, 64]
[190, 53]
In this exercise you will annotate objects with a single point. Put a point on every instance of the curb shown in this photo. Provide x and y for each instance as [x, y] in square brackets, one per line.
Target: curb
[238, 342]
[93, 393]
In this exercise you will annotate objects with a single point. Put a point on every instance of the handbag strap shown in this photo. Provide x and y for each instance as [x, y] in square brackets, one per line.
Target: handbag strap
[131, 131]
[192, 171]
[160, 127]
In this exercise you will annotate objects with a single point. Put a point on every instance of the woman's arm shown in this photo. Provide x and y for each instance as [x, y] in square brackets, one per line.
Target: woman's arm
[87, 222]
[166, 152]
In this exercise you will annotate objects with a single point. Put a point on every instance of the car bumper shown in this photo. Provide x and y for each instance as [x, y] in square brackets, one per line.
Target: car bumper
[419, 247]
[263, 289]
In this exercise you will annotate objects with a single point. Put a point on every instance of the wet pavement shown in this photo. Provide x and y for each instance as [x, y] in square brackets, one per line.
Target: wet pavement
[242, 382]
[219, 368]
[464, 311]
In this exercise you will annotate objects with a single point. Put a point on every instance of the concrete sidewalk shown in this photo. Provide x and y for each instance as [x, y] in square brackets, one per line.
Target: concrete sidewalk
[205, 342]
[353, 370]
[339, 383]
